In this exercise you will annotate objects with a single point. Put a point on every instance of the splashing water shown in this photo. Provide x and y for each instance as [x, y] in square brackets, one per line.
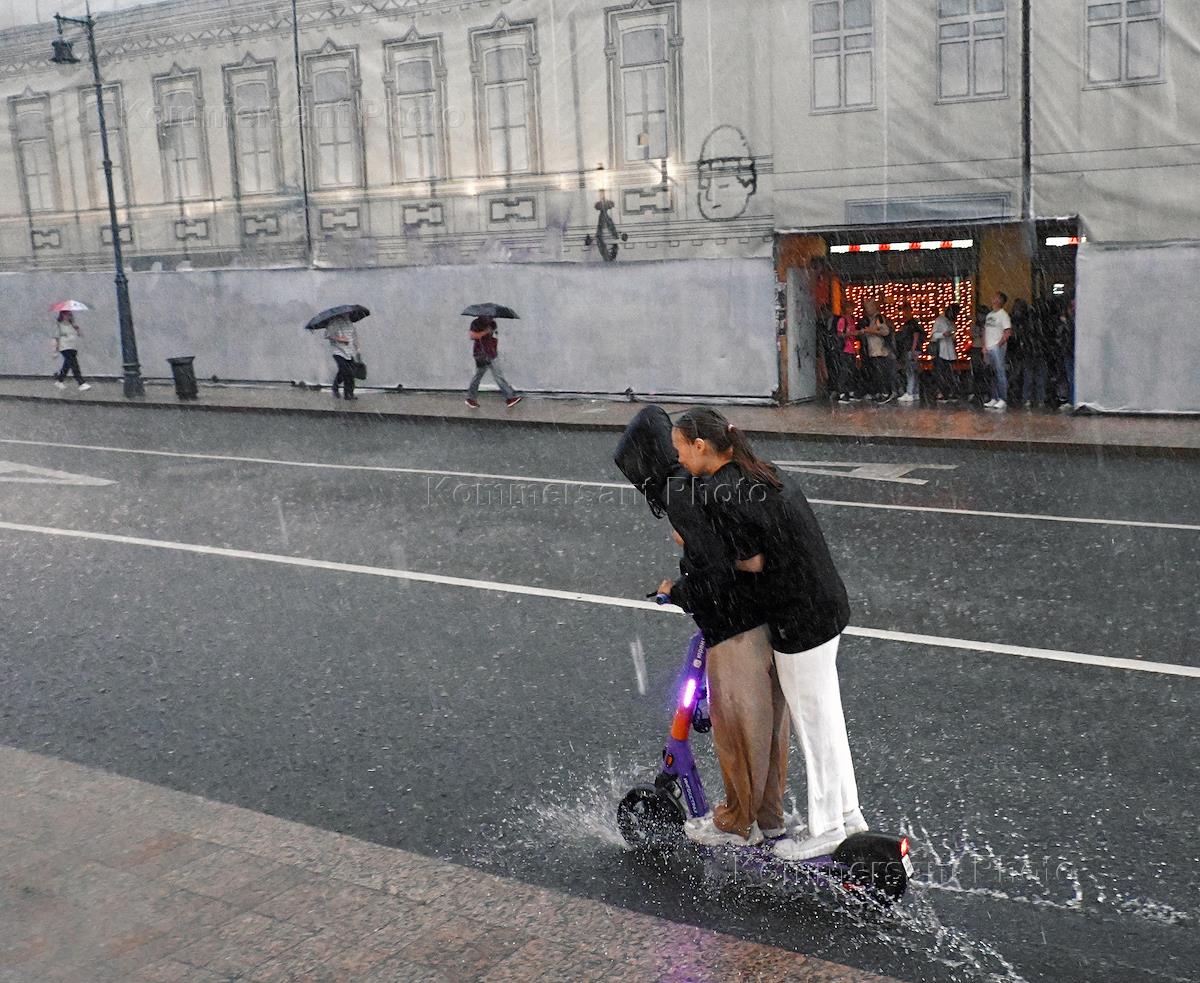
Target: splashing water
[585, 822]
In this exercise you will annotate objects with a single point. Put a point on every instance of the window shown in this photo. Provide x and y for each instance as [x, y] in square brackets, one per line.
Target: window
[644, 92]
[843, 55]
[114, 123]
[35, 152]
[416, 101]
[250, 96]
[504, 62]
[972, 40]
[643, 57]
[1124, 42]
[333, 119]
[506, 98]
[181, 136]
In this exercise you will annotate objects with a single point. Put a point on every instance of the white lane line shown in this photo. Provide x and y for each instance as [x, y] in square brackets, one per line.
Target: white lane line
[1050, 655]
[937, 641]
[526, 479]
[1039, 517]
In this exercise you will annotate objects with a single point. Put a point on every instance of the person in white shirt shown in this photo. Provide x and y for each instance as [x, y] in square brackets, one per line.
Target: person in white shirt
[66, 341]
[997, 329]
[343, 340]
[941, 342]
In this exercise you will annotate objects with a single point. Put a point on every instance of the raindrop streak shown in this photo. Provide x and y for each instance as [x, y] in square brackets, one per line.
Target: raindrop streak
[639, 664]
[283, 533]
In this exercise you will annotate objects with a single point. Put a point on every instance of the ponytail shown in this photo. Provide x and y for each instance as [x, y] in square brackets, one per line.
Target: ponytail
[704, 423]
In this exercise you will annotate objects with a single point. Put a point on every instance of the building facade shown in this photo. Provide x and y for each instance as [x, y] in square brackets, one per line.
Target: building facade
[261, 134]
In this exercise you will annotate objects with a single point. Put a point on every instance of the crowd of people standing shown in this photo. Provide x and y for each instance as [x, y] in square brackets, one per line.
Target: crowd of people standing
[1020, 354]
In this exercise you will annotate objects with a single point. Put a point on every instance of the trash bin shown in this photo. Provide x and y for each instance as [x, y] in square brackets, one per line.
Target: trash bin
[185, 377]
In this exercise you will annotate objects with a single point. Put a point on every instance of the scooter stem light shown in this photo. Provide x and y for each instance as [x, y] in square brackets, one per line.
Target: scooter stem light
[689, 693]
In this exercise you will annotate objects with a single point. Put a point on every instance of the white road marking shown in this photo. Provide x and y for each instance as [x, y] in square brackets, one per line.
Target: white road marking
[321, 465]
[895, 473]
[1134, 523]
[937, 641]
[575, 482]
[27, 474]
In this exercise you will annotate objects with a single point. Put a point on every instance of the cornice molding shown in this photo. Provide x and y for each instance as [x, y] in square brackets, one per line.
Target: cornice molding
[178, 25]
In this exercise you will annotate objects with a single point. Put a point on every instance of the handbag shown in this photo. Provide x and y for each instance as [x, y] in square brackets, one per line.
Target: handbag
[360, 369]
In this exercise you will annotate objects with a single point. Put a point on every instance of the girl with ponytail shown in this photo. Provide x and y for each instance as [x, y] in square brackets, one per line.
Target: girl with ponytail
[726, 443]
[772, 533]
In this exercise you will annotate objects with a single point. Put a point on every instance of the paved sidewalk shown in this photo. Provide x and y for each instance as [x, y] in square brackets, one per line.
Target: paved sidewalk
[106, 879]
[892, 423]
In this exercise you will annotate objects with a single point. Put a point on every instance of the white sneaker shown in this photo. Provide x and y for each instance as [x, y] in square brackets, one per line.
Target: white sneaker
[1000, 405]
[855, 822]
[60, 385]
[906, 398]
[84, 387]
[704, 832]
[813, 846]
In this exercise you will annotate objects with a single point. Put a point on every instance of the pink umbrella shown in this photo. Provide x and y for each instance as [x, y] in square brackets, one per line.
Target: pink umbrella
[68, 305]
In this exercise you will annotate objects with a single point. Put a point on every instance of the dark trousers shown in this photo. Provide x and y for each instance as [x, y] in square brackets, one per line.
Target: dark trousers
[70, 363]
[943, 376]
[345, 375]
[883, 370]
[847, 375]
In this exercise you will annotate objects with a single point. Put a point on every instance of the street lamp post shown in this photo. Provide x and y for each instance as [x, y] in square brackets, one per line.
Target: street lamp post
[63, 55]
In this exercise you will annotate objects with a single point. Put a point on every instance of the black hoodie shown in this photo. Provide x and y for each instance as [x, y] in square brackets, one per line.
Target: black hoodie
[803, 596]
[719, 600]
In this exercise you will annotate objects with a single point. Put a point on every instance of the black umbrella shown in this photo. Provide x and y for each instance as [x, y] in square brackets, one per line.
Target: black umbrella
[356, 312]
[491, 310]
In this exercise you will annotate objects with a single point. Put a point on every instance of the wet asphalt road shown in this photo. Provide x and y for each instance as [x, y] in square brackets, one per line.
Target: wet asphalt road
[1053, 807]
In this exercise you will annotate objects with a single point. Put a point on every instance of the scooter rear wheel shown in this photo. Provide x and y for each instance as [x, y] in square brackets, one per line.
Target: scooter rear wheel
[649, 819]
[873, 864]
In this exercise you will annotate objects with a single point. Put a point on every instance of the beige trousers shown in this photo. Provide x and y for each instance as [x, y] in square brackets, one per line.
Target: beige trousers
[750, 732]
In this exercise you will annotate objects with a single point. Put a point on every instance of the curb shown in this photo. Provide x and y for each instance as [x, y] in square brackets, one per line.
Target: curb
[903, 440]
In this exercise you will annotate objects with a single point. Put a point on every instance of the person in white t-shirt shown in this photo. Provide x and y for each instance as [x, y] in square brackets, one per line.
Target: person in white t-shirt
[997, 329]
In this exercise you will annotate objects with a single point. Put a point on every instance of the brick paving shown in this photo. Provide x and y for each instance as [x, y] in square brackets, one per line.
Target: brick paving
[106, 879]
[892, 423]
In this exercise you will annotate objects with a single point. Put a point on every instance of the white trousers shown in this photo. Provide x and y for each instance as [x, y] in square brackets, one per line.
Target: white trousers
[810, 684]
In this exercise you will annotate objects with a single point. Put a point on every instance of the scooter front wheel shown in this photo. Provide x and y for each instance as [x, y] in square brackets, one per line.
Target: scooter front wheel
[649, 819]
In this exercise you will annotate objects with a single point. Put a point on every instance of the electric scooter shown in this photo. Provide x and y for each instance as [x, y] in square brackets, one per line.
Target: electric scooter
[874, 866]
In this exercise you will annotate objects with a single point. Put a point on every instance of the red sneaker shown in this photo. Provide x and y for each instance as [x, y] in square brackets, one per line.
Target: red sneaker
[473, 403]
[513, 401]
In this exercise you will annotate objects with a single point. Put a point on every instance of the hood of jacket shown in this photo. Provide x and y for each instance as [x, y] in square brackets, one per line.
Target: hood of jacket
[646, 455]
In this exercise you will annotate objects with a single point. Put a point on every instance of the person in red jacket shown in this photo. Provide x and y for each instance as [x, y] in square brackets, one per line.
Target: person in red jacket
[486, 349]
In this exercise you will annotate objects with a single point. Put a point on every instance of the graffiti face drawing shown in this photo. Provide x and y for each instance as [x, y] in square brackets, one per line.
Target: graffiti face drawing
[728, 178]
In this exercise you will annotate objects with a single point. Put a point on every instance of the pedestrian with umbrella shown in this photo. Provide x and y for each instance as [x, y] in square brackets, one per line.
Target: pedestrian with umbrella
[338, 326]
[66, 343]
[486, 350]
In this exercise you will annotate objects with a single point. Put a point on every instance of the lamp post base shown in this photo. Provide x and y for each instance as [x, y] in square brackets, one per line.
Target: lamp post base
[133, 384]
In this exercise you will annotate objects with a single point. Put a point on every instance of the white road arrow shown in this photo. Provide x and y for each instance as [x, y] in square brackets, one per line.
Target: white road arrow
[869, 472]
[29, 475]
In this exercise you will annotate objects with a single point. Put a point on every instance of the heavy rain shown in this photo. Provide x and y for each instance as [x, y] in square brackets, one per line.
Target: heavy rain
[651, 490]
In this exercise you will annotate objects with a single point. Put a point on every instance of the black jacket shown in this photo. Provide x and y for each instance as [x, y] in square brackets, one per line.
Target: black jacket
[802, 594]
[721, 601]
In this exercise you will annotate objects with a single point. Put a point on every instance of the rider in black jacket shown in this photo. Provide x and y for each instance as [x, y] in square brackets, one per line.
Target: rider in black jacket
[749, 714]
